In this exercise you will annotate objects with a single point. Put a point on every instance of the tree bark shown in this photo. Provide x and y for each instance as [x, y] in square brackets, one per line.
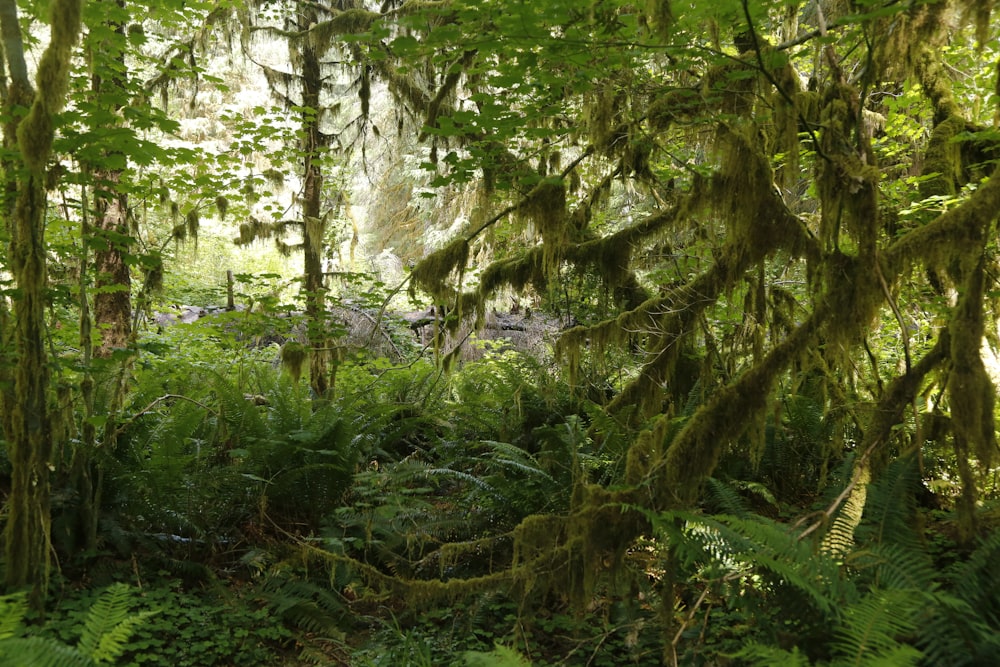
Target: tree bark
[30, 437]
[112, 296]
[313, 220]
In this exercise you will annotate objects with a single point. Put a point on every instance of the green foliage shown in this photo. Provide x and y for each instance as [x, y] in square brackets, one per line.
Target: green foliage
[501, 656]
[186, 629]
[109, 626]
[107, 630]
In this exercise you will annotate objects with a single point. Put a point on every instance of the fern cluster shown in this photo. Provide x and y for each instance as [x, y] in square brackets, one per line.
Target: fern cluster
[103, 638]
[879, 599]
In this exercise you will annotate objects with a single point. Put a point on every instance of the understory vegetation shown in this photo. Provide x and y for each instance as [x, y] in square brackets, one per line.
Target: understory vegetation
[500, 332]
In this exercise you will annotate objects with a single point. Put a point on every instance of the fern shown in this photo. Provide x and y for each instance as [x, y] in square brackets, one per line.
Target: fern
[41, 652]
[111, 608]
[890, 513]
[772, 656]
[106, 631]
[723, 497]
[109, 624]
[727, 545]
[839, 540]
[872, 628]
[501, 656]
[12, 610]
[895, 567]
[305, 605]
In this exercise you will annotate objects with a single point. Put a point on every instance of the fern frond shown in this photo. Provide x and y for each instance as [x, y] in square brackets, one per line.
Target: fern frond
[305, 605]
[975, 579]
[890, 514]
[41, 652]
[501, 656]
[873, 627]
[13, 607]
[896, 567]
[111, 609]
[114, 642]
[839, 540]
[762, 655]
[758, 544]
[723, 497]
[900, 656]
[952, 632]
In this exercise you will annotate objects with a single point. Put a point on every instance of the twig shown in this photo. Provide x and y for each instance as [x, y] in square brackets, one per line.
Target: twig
[121, 429]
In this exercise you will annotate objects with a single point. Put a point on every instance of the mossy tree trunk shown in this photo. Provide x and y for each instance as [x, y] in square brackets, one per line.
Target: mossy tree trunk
[314, 146]
[30, 429]
[109, 236]
[112, 294]
[303, 90]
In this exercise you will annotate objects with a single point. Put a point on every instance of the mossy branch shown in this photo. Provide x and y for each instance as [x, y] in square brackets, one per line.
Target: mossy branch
[692, 456]
[938, 241]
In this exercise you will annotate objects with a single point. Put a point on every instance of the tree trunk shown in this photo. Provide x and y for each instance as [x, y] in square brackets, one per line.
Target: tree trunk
[113, 293]
[30, 437]
[112, 296]
[314, 223]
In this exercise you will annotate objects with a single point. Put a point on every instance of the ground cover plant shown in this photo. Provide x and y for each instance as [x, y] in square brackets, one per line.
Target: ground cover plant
[499, 332]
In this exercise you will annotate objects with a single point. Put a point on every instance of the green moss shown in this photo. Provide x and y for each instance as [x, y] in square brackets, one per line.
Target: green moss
[948, 236]
[694, 453]
[943, 160]
[293, 359]
[432, 273]
[971, 392]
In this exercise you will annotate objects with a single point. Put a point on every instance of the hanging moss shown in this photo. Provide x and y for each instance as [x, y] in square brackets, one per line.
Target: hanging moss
[659, 17]
[293, 359]
[851, 290]
[31, 424]
[943, 160]
[971, 392]
[545, 206]
[222, 206]
[434, 270]
[192, 221]
[516, 272]
[694, 453]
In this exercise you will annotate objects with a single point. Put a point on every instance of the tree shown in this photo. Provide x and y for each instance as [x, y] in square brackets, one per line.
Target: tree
[310, 90]
[749, 142]
[30, 428]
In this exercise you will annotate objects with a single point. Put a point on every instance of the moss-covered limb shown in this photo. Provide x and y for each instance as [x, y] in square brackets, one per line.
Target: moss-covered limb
[611, 254]
[669, 319]
[8, 360]
[13, 46]
[970, 391]
[418, 593]
[945, 237]
[671, 316]
[887, 414]
[692, 456]
[322, 33]
[433, 272]
[943, 159]
[516, 272]
[447, 89]
[30, 448]
[899, 395]
[936, 84]
[402, 85]
[744, 194]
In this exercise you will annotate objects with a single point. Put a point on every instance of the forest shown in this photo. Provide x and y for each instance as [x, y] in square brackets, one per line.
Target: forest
[500, 332]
